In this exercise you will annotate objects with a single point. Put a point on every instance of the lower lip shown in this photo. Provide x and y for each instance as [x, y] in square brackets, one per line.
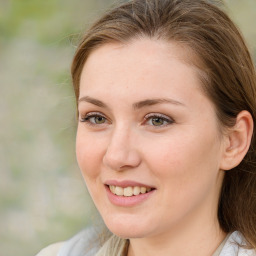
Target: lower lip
[128, 201]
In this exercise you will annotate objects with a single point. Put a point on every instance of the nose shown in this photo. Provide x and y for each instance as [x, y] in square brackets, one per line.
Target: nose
[121, 153]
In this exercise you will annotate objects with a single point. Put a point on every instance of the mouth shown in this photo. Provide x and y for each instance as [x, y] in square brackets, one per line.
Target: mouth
[129, 191]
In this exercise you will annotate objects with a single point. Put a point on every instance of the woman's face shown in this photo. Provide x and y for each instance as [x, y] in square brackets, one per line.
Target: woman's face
[148, 143]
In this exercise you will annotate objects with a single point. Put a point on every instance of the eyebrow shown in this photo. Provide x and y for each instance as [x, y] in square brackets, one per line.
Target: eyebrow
[136, 105]
[93, 101]
[150, 102]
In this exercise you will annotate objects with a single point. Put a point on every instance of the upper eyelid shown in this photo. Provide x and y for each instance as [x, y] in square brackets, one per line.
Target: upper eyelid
[95, 114]
[158, 115]
[92, 113]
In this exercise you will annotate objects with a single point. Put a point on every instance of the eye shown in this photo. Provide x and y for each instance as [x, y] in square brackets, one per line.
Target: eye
[158, 120]
[94, 118]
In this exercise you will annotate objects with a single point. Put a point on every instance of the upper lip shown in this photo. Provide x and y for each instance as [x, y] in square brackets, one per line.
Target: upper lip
[126, 183]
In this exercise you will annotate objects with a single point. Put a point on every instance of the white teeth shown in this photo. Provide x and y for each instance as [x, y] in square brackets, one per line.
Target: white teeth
[143, 190]
[129, 191]
[119, 191]
[136, 191]
[112, 189]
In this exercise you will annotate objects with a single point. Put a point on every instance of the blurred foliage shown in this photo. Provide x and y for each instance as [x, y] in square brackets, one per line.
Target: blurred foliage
[42, 195]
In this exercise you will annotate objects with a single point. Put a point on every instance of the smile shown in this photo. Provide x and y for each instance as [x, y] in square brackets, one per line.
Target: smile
[128, 191]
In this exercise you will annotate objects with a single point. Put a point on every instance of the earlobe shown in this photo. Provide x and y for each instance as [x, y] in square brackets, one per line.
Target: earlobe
[239, 140]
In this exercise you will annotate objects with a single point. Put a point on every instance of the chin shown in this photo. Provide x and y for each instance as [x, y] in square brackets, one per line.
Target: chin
[127, 233]
[127, 229]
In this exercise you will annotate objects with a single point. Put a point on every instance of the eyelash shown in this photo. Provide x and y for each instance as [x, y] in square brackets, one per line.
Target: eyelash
[166, 120]
[162, 117]
[87, 117]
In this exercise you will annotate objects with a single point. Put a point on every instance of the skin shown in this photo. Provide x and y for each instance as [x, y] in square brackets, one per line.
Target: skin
[181, 158]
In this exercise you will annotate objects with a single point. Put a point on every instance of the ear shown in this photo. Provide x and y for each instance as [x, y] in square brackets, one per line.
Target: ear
[237, 141]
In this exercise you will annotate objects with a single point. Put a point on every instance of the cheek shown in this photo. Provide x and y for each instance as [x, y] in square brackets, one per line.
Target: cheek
[89, 152]
[184, 161]
[186, 172]
[165, 155]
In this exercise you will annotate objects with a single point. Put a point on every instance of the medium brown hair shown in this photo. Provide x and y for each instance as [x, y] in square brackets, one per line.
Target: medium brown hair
[228, 78]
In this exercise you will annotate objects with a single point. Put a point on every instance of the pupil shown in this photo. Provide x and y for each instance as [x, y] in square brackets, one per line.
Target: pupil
[99, 120]
[157, 121]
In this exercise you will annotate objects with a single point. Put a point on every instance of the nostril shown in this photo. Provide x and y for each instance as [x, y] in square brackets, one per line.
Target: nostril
[114, 161]
[121, 160]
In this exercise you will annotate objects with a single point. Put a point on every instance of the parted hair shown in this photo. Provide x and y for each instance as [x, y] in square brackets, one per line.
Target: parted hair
[227, 76]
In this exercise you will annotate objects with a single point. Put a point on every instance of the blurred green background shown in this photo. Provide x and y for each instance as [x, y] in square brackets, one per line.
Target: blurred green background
[42, 195]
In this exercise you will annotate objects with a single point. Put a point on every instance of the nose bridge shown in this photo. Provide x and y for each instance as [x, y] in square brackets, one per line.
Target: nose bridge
[121, 151]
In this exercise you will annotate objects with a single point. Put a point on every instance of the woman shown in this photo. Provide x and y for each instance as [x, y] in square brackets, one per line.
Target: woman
[166, 99]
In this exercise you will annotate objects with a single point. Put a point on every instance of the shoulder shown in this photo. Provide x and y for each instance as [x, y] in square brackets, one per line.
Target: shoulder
[85, 243]
[234, 246]
[51, 250]
[82, 244]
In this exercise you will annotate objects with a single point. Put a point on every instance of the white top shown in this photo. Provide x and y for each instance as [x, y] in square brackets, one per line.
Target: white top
[82, 245]
[231, 247]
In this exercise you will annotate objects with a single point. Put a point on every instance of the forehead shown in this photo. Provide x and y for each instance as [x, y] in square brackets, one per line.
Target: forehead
[139, 61]
[153, 47]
